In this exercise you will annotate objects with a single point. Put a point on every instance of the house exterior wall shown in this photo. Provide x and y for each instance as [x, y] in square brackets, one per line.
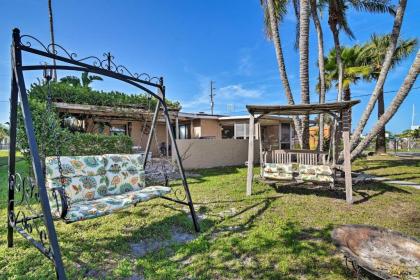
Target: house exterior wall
[211, 129]
[207, 153]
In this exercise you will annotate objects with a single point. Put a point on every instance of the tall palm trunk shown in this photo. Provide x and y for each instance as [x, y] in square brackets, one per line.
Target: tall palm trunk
[347, 97]
[332, 22]
[304, 66]
[50, 13]
[321, 68]
[382, 75]
[282, 66]
[381, 137]
[393, 107]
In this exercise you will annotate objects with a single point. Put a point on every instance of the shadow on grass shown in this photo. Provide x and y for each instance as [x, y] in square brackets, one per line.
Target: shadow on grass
[371, 190]
[365, 191]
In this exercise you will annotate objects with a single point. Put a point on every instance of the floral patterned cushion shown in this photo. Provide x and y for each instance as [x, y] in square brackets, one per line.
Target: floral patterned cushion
[125, 181]
[315, 169]
[278, 176]
[123, 162]
[80, 188]
[99, 207]
[278, 168]
[75, 166]
[316, 178]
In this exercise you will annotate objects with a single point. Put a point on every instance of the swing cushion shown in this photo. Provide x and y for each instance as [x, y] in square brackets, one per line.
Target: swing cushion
[278, 171]
[316, 173]
[84, 210]
[98, 185]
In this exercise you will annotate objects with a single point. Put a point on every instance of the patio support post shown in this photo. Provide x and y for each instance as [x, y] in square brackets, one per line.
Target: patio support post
[261, 149]
[250, 175]
[347, 162]
[177, 127]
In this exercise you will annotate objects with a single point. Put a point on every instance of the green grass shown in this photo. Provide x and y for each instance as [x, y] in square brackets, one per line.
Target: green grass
[390, 167]
[274, 234]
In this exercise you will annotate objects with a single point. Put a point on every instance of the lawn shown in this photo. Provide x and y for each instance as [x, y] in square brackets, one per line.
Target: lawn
[391, 167]
[275, 234]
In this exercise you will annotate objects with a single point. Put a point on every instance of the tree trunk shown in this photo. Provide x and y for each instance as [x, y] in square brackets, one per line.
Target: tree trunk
[381, 137]
[50, 13]
[347, 97]
[382, 75]
[282, 67]
[332, 22]
[321, 68]
[304, 66]
[393, 107]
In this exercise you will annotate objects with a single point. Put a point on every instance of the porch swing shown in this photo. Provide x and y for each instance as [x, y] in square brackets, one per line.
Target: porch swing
[76, 188]
[301, 166]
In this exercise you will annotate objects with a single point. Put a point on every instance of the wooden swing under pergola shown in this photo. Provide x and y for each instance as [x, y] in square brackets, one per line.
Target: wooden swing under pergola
[310, 166]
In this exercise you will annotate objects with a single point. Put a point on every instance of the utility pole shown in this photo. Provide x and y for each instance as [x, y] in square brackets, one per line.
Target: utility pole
[212, 95]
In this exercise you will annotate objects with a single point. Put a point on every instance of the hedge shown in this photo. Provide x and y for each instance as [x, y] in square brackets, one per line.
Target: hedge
[50, 135]
[65, 92]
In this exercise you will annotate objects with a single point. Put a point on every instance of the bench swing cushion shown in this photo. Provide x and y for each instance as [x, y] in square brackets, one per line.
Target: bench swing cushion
[316, 173]
[99, 185]
[278, 171]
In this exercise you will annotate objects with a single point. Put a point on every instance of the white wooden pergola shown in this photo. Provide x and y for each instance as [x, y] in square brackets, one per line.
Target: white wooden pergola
[340, 111]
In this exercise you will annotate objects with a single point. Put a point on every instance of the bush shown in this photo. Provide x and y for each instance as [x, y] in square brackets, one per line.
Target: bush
[51, 136]
[65, 92]
[96, 144]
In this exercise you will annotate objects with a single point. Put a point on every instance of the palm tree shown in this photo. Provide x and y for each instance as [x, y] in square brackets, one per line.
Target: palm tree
[373, 54]
[337, 20]
[393, 107]
[352, 70]
[274, 11]
[50, 13]
[304, 65]
[88, 79]
[320, 37]
[382, 75]
[84, 81]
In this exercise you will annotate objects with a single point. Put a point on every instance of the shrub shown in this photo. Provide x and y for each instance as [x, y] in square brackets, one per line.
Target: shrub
[65, 92]
[51, 136]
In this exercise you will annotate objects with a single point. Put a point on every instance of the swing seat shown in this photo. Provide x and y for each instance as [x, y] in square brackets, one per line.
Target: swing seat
[93, 186]
[278, 171]
[315, 173]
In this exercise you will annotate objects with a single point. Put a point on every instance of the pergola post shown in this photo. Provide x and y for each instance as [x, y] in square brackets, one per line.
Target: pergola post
[261, 149]
[250, 173]
[347, 162]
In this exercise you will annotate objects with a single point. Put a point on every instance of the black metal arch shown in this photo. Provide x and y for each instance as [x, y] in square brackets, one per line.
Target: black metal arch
[24, 220]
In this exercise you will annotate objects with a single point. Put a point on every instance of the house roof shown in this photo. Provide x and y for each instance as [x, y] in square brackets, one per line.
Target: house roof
[105, 111]
[301, 109]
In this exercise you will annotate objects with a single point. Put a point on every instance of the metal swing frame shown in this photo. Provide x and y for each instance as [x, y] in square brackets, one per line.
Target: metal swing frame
[38, 228]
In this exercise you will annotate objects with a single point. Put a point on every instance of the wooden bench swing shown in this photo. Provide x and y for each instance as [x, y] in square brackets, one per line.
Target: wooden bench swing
[76, 188]
[301, 166]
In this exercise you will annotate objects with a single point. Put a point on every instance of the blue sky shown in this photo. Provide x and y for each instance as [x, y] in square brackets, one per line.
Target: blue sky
[191, 42]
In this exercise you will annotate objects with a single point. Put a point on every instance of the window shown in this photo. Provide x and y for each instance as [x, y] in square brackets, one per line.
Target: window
[184, 131]
[118, 129]
[241, 130]
[285, 135]
[228, 132]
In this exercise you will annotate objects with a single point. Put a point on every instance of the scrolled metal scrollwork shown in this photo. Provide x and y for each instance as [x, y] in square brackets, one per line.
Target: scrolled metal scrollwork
[180, 194]
[107, 63]
[27, 215]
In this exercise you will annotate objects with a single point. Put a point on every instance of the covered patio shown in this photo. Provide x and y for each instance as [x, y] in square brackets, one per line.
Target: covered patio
[339, 111]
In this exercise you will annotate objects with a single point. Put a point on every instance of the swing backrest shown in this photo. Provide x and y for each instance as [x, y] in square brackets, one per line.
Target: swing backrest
[91, 177]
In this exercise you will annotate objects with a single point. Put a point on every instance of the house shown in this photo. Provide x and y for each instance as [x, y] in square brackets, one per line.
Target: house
[209, 134]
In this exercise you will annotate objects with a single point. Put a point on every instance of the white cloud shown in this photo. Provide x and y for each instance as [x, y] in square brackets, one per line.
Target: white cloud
[237, 91]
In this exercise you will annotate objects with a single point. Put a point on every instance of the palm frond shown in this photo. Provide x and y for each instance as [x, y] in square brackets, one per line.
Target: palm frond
[373, 6]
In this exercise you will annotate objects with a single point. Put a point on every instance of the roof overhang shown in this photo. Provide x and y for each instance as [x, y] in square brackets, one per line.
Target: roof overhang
[301, 109]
